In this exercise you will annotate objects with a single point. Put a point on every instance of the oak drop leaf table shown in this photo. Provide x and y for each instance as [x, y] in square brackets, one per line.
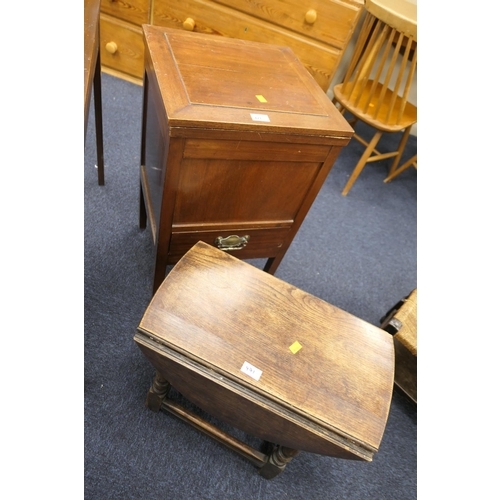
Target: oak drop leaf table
[237, 140]
[267, 358]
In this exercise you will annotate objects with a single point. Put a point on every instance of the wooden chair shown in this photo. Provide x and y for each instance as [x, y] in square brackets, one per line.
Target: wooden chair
[378, 79]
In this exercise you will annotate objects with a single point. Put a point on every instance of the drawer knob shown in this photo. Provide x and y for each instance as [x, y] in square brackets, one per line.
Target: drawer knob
[311, 16]
[232, 242]
[188, 24]
[111, 47]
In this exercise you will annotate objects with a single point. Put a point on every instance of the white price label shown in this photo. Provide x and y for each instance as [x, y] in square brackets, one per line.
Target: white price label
[259, 118]
[250, 370]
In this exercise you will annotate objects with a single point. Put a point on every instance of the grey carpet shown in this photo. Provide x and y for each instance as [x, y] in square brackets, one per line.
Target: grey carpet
[357, 252]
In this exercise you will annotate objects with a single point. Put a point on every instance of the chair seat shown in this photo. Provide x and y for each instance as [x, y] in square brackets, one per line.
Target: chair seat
[393, 123]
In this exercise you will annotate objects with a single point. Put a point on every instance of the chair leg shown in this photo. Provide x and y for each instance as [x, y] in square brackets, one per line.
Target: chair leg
[402, 168]
[362, 162]
[401, 148]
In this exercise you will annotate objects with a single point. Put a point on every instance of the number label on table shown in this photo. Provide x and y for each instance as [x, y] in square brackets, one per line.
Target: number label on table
[251, 370]
[259, 118]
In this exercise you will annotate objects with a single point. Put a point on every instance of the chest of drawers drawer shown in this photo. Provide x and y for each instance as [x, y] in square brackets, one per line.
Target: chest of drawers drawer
[132, 11]
[330, 21]
[122, 46]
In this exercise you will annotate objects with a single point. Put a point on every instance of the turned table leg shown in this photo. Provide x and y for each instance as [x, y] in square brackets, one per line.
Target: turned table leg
[157, 392]
[277, 460]
[270, 463]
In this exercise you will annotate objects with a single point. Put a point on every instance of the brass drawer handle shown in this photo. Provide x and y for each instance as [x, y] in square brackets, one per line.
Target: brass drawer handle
[232, 242]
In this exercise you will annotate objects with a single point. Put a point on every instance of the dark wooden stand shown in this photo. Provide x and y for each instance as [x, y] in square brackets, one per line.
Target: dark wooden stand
[92, 78]
[232, 154]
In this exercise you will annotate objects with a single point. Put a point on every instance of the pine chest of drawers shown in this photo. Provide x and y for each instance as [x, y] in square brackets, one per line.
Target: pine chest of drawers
[318, 31]
[237, 140]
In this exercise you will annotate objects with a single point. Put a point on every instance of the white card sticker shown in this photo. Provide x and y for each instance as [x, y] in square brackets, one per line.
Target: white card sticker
[250, 370]
[259, 118]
